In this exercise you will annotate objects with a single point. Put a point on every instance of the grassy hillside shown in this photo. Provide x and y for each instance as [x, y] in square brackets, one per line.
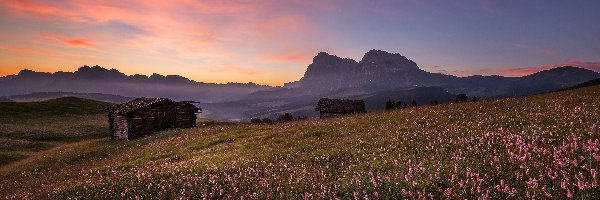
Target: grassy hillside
[34, 126]
[542, 146]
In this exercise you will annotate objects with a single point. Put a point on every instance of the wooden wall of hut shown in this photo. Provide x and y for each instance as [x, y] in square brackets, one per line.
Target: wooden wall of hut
[118, 126]
[147, 121]
[185, 116]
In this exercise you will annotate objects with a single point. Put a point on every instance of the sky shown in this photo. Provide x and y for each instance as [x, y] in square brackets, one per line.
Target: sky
[273, 41]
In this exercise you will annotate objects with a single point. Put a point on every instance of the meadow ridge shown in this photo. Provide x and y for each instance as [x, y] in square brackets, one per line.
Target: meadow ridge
[542, 146]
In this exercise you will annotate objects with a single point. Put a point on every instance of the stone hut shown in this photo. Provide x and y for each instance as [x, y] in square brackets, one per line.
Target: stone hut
[334, 107]
[145, 116]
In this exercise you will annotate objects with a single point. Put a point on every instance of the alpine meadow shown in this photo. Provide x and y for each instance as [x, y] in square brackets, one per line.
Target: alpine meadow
[543, 146]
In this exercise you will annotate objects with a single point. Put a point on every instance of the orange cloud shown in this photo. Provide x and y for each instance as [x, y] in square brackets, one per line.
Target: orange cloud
[78, 42]
[290, 56]
[70, 42]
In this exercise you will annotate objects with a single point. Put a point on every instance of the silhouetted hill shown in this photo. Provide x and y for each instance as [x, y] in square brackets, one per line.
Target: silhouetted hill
[110, 81]
[586, 84]
[42, 96]
[56, 107]
[4, 99]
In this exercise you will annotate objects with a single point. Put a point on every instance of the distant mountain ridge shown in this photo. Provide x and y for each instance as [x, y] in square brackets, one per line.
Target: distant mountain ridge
[43, 96]
[380, 70]
[97, 79]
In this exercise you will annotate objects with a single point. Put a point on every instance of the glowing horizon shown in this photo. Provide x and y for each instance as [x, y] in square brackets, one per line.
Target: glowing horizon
[272, 42]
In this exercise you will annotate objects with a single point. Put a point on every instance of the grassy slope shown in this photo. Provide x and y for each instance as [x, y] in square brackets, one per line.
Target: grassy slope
[26, 128]
[543, 146]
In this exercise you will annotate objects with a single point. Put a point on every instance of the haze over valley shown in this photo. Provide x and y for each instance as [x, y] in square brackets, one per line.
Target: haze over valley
[379, 76]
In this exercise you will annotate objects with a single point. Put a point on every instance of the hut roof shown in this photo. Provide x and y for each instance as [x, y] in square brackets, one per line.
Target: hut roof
[340, 106]
[136, 104]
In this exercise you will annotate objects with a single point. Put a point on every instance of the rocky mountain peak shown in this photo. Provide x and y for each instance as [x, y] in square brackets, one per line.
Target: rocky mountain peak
[390, 61]
[325, 58]
[97, 72]
[324, 63]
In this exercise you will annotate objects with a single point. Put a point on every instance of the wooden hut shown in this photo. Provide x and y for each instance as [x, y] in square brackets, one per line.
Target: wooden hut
[334, 107]
[145, 116]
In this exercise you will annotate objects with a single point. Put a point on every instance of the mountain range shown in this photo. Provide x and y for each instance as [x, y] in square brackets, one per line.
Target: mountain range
[379, 76]
[380, 70]
[97, 79]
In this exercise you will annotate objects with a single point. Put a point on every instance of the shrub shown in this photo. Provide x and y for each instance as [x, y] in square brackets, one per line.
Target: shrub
[267, 120]
[286, 117]
[256, 121]
[462, 98]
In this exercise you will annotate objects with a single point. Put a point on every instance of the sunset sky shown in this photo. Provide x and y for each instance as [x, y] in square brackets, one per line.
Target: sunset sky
[272, 42]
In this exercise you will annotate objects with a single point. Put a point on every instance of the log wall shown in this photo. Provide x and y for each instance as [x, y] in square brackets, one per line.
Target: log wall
[143, 122]
[119, 127]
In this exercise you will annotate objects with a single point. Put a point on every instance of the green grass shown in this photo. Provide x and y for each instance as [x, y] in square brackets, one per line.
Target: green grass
[37, 126]
[6, 158]
[513, 148]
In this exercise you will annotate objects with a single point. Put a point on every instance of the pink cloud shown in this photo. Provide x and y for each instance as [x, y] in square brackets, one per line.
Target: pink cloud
[29, 7]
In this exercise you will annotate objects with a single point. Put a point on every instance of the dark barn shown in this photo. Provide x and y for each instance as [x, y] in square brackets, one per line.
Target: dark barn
[145, 116]
[334, 107]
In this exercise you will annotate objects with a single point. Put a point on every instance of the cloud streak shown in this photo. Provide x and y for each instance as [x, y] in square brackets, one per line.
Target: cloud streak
[41, 52]
[73, 42]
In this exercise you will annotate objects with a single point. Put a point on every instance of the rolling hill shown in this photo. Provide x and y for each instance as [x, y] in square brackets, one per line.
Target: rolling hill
[542, 146]
[30, 127]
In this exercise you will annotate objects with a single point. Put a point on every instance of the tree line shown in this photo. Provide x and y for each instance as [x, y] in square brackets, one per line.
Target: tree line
[460, 98]
[285, 117]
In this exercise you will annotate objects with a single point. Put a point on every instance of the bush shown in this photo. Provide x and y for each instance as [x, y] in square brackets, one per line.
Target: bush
[267, 120]
[400, 105]
[462, 98]
[390, 105]
[299, 118]
[286, 117]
